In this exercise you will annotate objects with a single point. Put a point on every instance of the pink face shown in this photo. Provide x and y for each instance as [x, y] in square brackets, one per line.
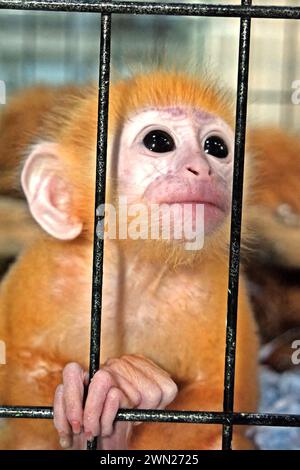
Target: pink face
[178, 155]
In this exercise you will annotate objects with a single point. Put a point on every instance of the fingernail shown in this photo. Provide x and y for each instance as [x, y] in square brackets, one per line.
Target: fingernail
[65, 442]
[76, 427]
[89, 436]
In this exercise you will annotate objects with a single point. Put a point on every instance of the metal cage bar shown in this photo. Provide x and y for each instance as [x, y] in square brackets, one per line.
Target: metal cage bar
[245, 11]
[193, 417]
[236, 222]
[104, 74]
[154, 8]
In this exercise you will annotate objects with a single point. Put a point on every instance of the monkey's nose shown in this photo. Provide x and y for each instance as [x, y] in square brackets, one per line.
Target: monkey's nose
[195, 172]
[198, 172]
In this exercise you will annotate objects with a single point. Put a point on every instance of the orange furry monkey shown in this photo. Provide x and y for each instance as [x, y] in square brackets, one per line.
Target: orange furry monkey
[164, 306]
[274, 219]
[275, 213]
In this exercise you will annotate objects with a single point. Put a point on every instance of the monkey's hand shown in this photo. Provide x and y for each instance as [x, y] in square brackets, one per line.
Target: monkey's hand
[129, 382]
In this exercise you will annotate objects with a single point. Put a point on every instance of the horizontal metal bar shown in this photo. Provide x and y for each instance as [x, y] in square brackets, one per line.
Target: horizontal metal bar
[40, 412]
[194, 417]
[207, 417]
[155, 8]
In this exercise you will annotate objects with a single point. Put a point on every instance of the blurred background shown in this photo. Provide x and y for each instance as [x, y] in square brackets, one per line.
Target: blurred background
[64, 47]
[57, 48]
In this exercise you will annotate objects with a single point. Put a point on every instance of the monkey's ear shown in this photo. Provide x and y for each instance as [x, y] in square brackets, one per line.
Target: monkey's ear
[48, 193]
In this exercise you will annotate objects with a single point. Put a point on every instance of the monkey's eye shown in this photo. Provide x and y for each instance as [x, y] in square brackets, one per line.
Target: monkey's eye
[215, 146]
[159, 141]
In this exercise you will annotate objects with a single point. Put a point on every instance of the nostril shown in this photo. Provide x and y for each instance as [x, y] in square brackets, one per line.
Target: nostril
[193, 171]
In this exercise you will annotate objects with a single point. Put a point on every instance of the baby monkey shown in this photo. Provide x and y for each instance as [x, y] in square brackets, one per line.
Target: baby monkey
[164, 299]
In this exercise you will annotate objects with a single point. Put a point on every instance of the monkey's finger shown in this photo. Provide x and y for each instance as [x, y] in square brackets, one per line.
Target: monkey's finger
[145, 364]
[73, 380]
[115, 400]
[155, 385]
[147, 367]
[124, 384]
[60, 419]
[162, 379]
[99, 387]
[115, 435]
[151, 394]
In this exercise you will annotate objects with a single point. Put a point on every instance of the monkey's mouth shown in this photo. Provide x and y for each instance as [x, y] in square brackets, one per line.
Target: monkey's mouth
[191, 202]
[204, 205]
[196, 215]
[194, 203]
[204, 193]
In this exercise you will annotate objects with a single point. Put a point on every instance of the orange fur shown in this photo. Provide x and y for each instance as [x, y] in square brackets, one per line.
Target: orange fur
[17, 227]
[277, 154]
[175, 316]
[273, 264]
[24, 120]
[277, 168]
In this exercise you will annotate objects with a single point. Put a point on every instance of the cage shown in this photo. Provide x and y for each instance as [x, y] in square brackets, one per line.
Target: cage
[59, 43]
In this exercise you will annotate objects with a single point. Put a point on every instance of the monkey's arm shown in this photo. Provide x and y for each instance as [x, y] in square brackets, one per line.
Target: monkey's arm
[207, 393]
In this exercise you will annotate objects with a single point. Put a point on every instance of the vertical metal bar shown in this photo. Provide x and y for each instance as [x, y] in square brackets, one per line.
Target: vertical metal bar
[104, 73]
[236, 219]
